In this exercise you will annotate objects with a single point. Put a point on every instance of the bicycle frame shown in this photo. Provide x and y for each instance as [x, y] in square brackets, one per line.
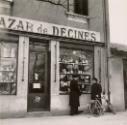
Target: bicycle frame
[96, 107]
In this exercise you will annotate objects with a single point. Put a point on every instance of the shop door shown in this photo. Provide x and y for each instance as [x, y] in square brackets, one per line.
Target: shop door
[38, 93]
[125, 81]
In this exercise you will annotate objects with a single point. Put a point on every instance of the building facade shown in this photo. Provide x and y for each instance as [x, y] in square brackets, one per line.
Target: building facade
[118, 49]
[42, 44]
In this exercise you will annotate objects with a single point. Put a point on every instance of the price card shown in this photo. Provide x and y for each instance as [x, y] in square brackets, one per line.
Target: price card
[36, 85]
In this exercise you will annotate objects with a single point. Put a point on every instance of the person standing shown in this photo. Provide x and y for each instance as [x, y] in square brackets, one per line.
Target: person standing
[96, 90]
[74, 95]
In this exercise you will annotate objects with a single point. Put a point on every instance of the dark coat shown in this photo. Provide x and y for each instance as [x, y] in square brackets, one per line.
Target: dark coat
[96, 89]
[74, 93]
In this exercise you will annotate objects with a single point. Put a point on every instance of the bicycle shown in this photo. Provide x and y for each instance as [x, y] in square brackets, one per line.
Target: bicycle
[95, 107]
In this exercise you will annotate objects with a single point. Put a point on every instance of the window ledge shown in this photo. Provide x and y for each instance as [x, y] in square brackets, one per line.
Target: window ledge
[77, 17]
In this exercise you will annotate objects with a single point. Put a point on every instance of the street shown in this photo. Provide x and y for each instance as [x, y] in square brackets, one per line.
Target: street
[82, 119]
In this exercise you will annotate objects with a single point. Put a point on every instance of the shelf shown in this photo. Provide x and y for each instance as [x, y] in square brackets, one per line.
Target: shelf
[7, 82]
[67, 93]
[8, 57]
[7, 71]
[68, 69]
[73, 74]
[87, 84]
[69, 63]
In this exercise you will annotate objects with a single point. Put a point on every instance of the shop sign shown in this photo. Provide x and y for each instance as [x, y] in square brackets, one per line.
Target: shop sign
[20, 24]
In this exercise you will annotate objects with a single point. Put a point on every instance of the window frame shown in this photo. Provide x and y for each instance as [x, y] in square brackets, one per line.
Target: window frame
[77, 48]
[81, 10]
[16, 80]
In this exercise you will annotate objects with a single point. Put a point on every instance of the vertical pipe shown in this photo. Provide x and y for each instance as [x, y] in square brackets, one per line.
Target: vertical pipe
[55, 65]
[100, 65]
[23, 63]
[107, 41]
[68, 8]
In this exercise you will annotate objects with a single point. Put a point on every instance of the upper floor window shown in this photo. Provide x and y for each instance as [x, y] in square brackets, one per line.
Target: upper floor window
[7, 2]
[6, 6]
[81, 7]
[75, 6]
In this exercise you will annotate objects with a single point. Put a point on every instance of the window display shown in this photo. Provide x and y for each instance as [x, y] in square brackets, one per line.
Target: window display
[75, 62]
[8, 64]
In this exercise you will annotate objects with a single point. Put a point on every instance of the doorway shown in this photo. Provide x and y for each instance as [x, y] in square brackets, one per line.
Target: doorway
[38, 87]
[125, 81]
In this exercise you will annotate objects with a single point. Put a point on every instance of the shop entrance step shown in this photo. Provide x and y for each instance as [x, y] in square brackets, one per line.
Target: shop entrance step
[38, 114]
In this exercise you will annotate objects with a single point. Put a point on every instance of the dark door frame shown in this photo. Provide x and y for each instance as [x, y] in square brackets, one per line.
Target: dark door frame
[48, 74]
[125, 81]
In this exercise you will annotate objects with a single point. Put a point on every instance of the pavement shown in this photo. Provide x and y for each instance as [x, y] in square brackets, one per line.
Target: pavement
[81, 119]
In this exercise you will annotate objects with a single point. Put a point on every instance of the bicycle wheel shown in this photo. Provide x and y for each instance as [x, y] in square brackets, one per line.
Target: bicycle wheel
[93, 109]
[99, 110]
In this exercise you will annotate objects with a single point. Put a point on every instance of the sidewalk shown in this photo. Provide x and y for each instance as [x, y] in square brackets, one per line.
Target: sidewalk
[82, 119]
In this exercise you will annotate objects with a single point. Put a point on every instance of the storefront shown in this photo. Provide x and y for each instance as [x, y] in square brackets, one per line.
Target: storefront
[38, 61]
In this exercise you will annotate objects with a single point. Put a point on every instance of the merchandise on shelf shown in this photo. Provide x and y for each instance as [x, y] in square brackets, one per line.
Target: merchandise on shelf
[67, 71]
[75, 62]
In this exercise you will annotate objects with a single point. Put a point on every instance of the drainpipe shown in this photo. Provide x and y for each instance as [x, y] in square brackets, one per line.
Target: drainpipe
[107, 42]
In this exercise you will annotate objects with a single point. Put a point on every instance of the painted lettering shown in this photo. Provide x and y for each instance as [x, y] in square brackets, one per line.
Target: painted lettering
[63, 32]
[40, 28]
[93, 36]
[55, 31]
[45, 30]
[20, 25]
[70, 33]
[11, 22]
[2, 22]
[76, 35]
[29, 26]
[80, 35]
[14, 23]
[86, 34]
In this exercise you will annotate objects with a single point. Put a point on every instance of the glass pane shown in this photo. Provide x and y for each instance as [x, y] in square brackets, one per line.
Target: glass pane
[8, 64]
[75, 62]
[8, 67]
[8, 50]
[8, 88]
[37, 72]
[81, 7]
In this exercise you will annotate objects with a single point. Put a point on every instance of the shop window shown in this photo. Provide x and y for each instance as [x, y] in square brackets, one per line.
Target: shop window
[8, 68]
[75, 62]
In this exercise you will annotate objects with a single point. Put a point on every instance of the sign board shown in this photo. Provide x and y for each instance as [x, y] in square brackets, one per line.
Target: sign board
[31, 26]
[36, 85]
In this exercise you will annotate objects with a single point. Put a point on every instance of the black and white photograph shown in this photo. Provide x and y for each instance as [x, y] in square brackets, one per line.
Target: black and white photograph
[63, 62]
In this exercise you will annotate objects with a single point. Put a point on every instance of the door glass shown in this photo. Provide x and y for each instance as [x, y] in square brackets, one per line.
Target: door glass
[37, 72]
[38, 96]
[125, 81]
